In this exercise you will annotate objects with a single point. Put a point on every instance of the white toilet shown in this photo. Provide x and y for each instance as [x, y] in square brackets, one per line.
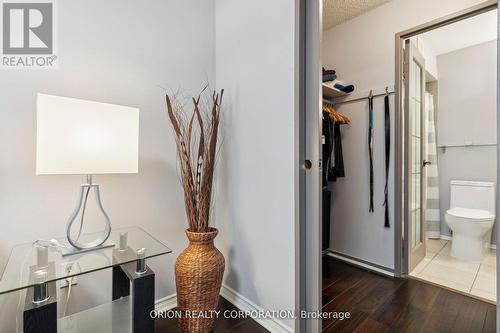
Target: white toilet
[471, 217]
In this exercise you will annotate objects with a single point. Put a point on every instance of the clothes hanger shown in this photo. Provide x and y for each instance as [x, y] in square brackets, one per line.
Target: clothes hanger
[335, 116]
[347, 121]
[343, 120]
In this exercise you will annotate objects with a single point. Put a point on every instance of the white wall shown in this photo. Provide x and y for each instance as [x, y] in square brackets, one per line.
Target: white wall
[362, 52]
[467, 96]
[118, 52]
[255, 199]
[466, 115]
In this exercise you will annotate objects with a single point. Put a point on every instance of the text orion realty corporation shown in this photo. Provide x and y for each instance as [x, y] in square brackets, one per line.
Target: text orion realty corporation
[28, 34]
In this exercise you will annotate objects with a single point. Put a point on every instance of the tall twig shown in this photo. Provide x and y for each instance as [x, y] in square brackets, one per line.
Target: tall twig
[197, 165]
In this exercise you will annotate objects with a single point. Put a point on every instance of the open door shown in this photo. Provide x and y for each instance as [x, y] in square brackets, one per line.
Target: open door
[414, 83]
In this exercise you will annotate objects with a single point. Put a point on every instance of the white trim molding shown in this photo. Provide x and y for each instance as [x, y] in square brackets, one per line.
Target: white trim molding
[166, 303]
[239, 301]
[245, 305]
[360, 264]
[433, 234]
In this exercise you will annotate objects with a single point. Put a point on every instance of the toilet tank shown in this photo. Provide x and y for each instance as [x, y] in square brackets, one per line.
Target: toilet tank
[474, 195]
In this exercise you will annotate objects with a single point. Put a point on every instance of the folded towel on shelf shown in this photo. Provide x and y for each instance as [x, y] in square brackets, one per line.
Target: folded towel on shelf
[337, 84]
[329, 77]
[328, 71]
[347, 89]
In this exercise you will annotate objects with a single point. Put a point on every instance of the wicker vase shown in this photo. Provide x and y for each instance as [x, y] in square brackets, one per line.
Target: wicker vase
[198, 276]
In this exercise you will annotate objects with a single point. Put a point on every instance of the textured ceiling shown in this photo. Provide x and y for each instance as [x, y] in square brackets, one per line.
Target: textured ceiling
[339, 11]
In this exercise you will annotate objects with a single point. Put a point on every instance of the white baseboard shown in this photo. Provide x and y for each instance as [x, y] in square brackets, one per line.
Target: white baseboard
[448, 238]
[242, 303]
[166, 303]
[360, 264]
[433, 234]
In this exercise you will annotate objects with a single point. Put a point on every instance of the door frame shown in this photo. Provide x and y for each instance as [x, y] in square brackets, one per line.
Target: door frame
[401, 182]
[308, 270]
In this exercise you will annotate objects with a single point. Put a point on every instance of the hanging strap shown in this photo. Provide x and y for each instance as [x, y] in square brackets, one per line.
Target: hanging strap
[387, 156]
[370, 147]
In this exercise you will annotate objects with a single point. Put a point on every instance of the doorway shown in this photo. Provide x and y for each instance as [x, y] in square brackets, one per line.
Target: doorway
[369, 243]
[450, 151]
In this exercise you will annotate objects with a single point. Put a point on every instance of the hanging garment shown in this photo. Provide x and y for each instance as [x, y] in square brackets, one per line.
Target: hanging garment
[333, 159]
[387, 118]
[370, 146]
[433, 214]
[337, 169]
[327, 146]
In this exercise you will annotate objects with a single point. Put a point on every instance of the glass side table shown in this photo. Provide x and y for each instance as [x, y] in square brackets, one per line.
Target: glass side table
[127, 258]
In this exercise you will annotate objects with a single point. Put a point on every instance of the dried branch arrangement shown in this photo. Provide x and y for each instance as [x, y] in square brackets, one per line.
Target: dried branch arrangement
[196, 139]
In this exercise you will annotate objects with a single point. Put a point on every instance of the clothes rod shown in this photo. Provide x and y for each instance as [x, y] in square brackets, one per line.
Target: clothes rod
[362, 98]
[444, 147]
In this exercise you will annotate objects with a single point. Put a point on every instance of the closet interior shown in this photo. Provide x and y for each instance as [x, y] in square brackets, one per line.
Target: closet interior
[409, 154]
[447, 144]
[335, 94]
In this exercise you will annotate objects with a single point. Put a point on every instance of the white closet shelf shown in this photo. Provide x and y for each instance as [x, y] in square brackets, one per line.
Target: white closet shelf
[329, 92]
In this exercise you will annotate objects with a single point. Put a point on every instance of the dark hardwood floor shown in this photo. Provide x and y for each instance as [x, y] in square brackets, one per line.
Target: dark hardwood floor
[222, 325]
[377, 304]
[382, 304]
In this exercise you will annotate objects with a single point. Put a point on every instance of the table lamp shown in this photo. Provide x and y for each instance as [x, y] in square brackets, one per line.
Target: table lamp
[82, 137]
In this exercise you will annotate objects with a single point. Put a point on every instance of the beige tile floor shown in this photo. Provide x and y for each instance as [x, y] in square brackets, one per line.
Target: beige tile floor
[476, 278]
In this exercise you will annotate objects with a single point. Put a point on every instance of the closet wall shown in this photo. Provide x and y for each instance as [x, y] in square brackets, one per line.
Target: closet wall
[362, 51]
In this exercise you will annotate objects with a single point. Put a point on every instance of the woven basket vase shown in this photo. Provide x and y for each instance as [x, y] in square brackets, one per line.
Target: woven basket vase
[198, 277]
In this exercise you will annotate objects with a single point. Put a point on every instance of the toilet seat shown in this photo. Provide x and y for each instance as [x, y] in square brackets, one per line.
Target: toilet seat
[476, 215]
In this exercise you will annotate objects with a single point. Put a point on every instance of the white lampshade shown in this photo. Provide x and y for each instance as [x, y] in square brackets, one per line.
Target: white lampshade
[75, 136]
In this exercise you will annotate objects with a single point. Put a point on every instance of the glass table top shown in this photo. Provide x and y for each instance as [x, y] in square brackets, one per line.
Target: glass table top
[19, 271]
